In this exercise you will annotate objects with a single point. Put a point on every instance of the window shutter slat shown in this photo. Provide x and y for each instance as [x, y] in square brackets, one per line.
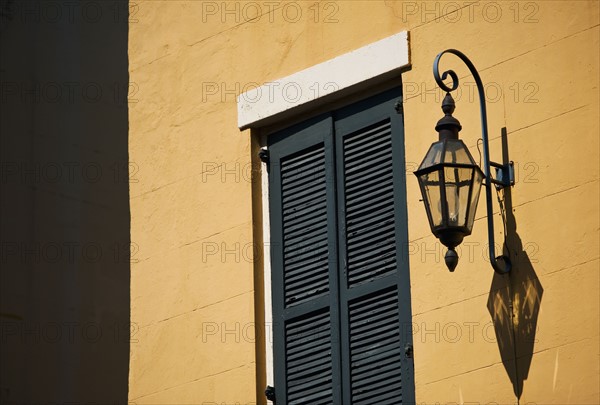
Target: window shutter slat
[309, 243]
[367, 261]
[375, 349]
[309, 377]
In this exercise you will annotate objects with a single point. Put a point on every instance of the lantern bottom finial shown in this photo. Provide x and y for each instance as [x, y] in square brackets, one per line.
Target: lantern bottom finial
[451, 259]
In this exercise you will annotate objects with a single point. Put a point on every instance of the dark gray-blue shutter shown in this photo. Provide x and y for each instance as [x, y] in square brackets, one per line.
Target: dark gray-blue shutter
[374, 285]
[304, 264]
[340, 276]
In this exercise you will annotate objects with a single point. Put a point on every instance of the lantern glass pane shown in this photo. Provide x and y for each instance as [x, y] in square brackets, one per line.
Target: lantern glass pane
[458, 184]
[433, 156]
[478, 180]
[430, 183]
[457, 152]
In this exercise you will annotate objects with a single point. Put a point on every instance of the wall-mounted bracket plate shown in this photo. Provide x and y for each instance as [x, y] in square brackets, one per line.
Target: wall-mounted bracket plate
[505, 175]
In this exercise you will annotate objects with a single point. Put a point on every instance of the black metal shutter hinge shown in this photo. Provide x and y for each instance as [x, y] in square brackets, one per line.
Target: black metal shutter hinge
[263, 155]
[408, 350]
[399, 106]
[270, 393]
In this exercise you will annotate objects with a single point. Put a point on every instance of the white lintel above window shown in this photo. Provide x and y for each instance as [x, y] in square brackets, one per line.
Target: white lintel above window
[274, 99]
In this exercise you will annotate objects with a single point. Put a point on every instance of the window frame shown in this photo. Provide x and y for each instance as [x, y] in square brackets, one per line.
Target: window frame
[266, 114]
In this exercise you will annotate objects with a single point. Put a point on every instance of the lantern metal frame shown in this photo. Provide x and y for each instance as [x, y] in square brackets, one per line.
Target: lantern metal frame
[504, 176]
[450, 235]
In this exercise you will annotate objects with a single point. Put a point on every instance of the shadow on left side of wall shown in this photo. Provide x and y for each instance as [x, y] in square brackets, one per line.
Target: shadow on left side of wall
[65, 233]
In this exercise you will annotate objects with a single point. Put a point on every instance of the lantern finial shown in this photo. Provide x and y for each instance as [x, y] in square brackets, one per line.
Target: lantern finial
[448, 126]
[451, 259]
[448, 104]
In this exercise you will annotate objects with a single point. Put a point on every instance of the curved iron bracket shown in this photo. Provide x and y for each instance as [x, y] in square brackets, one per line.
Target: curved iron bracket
[504, 173]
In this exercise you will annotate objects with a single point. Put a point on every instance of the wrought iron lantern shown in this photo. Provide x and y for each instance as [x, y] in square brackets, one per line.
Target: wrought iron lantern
[451, 181]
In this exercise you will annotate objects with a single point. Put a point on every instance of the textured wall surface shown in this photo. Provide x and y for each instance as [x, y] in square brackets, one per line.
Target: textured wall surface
[196, 293]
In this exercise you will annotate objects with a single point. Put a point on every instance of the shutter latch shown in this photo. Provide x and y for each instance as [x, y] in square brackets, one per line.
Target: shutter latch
[270, 393]
[408, 350]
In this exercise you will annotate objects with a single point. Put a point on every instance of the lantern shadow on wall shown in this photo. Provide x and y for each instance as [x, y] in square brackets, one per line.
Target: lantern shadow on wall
[514, 300]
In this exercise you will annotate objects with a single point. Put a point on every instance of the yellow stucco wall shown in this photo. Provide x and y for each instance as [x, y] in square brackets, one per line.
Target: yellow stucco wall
[194, 291]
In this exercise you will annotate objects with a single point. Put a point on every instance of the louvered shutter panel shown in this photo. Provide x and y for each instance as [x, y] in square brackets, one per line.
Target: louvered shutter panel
[373, 273]
[304, 264]
[339, 259]
[375, 349]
